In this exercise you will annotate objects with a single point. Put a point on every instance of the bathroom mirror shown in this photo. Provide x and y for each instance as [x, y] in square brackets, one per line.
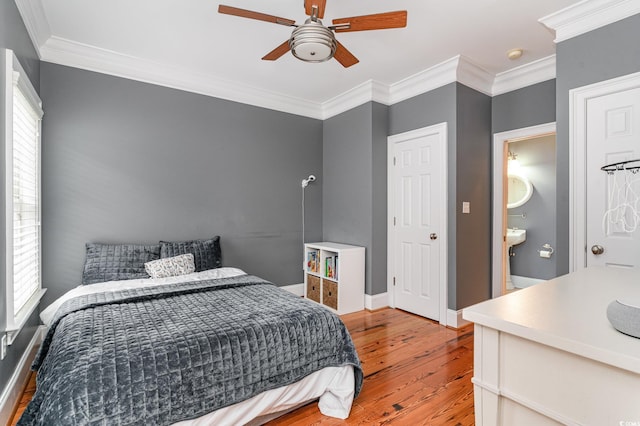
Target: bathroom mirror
[519, 190]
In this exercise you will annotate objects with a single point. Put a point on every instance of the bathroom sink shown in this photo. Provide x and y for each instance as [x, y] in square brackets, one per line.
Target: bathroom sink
[516, 236]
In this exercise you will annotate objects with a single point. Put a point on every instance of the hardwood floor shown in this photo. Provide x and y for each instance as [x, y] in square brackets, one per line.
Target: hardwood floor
[416, 373]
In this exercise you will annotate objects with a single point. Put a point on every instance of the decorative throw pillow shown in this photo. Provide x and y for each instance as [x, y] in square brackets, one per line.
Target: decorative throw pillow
[171, 266]
[206, 253]
[112, 262]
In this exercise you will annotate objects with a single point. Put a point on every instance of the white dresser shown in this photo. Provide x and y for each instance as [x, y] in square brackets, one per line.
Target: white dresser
[547, 354]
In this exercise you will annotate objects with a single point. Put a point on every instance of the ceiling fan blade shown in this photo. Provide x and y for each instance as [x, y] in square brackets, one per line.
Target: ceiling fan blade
[277, 52]
[378, 21]
[343, 56]
[308, 4]
[243, 13]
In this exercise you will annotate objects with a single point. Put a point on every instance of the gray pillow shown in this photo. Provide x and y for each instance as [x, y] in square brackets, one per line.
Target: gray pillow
[206, 253]
[112, 262]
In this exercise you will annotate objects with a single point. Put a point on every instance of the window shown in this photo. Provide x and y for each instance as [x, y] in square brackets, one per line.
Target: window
[22, 230]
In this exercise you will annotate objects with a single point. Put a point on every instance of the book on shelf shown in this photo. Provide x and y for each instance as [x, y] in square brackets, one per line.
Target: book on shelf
[312, 261]
[328, 267]
[331, 267]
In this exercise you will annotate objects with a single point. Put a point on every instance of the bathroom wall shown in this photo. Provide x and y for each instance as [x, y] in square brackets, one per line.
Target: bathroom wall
[537, 158]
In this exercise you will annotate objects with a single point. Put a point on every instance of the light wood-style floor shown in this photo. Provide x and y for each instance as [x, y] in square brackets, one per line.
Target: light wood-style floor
[416, 373]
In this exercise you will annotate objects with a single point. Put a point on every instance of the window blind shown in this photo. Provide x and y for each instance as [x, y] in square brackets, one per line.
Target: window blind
[26, 200]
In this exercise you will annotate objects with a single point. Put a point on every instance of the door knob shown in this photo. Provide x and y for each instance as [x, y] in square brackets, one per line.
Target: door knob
[433, 236]
[597, 249]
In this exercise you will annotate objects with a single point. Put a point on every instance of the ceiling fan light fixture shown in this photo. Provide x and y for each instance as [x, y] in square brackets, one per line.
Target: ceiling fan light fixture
[313, 42]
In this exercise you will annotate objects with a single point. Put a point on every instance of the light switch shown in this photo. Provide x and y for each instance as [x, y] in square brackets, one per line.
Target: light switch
[466, 207]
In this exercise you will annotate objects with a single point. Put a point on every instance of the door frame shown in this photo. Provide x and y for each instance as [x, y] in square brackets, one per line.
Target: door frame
[441, 130]
[578, 99]
[499, 141]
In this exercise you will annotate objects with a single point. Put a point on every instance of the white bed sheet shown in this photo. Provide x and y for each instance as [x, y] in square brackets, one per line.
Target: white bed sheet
[334, 386]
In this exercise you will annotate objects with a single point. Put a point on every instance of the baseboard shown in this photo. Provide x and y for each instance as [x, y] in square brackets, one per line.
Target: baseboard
[297, 289]
[12, 392]
[455, 320]
[524, 282]
[377, 301]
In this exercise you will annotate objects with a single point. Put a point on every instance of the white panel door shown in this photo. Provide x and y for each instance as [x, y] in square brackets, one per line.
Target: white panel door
[612, 136]
[418, 207]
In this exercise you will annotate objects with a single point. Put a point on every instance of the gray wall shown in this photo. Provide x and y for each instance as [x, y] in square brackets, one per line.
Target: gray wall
[525, 107]
[125, 161]
[473, 184]
[13, 35]
[468, 117]
[537, 158]
[347, 191]
[380, 127]
[599, 55]
[355, 188]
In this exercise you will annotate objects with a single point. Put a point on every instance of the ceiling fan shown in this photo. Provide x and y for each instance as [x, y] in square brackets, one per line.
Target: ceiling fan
[314, 42]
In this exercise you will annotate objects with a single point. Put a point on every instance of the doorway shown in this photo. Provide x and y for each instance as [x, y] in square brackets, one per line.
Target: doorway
[532, 214]
[417, 221]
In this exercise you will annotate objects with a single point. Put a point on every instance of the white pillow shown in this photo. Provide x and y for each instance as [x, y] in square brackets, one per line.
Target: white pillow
[171, 266]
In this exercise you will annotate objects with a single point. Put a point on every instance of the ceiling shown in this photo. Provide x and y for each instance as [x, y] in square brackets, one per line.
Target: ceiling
[191, 36]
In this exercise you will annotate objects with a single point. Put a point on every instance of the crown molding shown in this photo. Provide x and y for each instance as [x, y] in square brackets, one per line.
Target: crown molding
[588, 15]
[78, 55]
[350, 99]
[473, 76]
[66, 52]
[525, 75]
[381, 92]
[457, 69]
[370, 90]
[424, 81]
[35, 20]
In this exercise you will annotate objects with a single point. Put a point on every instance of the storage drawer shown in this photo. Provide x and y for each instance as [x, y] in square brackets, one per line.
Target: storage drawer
[313, 288]
[330, 293]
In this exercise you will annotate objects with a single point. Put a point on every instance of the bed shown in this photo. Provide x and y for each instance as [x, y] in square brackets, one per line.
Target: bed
[215, 346]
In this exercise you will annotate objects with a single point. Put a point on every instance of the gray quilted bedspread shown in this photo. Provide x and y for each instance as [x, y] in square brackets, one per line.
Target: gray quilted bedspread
[163, 354]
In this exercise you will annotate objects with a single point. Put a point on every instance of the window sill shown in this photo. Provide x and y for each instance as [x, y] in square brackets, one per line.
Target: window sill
[24, 314]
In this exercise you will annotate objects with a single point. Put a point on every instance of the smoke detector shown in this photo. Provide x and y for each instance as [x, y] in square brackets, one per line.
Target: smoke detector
[514, 54]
